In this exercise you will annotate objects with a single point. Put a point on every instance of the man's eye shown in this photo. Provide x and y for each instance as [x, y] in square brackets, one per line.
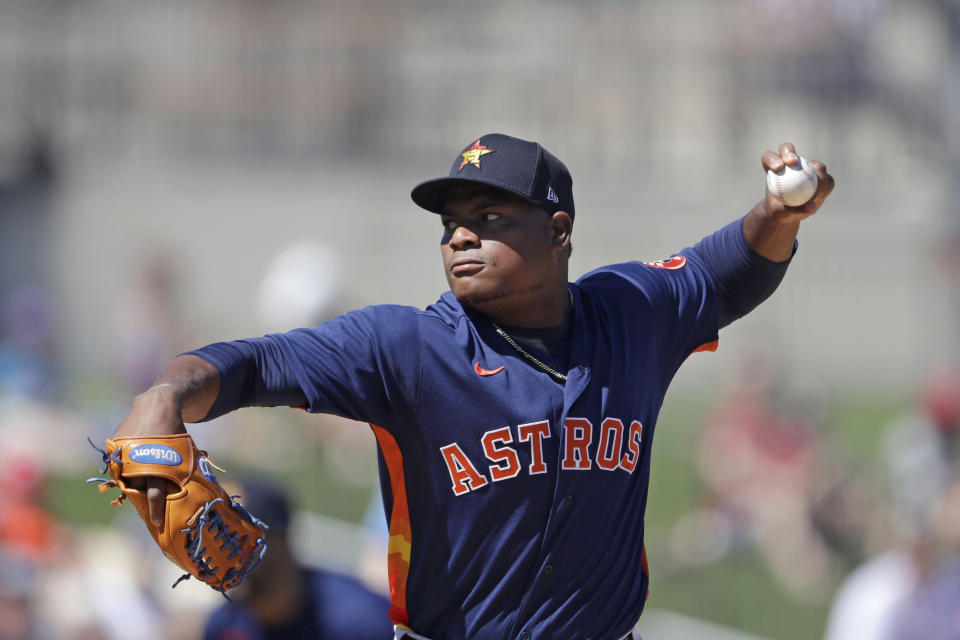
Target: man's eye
[449, 225]
[490, 217]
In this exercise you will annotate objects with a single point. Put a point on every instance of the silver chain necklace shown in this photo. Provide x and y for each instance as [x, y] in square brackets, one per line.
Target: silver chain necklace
[523, 352]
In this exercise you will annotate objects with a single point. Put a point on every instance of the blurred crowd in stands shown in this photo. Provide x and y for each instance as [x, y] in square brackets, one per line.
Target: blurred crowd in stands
[883, 535]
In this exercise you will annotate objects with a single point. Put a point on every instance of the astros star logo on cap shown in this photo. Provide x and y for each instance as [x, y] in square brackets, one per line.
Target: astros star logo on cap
[472, 155]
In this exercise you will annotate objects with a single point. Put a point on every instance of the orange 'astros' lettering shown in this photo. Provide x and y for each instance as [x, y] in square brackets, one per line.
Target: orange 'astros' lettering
[617, 448]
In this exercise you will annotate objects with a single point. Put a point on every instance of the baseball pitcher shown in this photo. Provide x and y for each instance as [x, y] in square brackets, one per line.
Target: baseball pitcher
[515, 416]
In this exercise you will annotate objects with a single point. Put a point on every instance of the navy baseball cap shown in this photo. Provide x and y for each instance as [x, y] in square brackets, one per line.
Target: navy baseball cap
[517, 166]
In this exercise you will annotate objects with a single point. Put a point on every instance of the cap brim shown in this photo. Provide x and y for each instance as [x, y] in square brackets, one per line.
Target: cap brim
[432, 194]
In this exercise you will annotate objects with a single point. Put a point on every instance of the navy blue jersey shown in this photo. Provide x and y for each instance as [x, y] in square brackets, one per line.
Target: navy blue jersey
[515, 503]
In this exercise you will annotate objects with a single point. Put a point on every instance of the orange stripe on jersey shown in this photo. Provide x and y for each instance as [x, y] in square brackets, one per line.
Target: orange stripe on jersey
[707, 346]
[646, 570]
[398, 549]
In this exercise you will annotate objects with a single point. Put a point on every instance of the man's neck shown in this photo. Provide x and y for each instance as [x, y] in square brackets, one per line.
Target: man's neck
[534, 312]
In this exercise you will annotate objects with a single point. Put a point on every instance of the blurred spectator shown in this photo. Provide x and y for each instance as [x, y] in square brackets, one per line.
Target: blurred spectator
[34, 548]
[17, 615]
[866, 603]
[911, 591]
[28, 180]
[920, 450]
[26, 530]
[149, 327]
[27, 365]
[302, 287]
[932, 610]
[284, 599]
[95, 589]
[26, 544]
[842, 509]
[772, 485]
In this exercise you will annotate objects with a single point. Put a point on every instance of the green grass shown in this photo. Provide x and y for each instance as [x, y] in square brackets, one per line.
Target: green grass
[739, 593]
[74, 502]
[856, 423]
[317, 488]
[674, 486]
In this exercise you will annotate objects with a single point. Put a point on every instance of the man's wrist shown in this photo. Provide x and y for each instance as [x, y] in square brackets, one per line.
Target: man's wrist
[775, 216]
[163, 396]
[769, 234]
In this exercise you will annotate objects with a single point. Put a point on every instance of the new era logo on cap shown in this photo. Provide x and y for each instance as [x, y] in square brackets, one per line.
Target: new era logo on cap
[520, 167]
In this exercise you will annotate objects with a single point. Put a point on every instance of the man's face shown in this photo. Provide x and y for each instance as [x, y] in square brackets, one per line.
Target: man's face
[495, 246]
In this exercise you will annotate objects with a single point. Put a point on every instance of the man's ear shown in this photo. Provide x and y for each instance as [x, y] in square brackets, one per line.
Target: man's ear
[561, 226]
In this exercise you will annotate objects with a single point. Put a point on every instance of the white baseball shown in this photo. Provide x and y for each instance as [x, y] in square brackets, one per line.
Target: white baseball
[793, 185]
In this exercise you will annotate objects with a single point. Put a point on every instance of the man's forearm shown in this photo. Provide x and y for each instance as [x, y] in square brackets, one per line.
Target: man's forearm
[184, 391]
[771, 236]
[192, 383]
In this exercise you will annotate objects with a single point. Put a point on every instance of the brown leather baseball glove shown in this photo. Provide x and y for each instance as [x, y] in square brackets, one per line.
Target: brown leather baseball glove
[206, 532]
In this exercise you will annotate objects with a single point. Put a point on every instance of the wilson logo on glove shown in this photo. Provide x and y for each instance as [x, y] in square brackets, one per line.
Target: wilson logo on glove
[206, 532]
[155, 455]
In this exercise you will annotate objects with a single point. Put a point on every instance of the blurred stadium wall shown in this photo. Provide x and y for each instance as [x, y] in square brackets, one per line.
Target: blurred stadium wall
[220, 132]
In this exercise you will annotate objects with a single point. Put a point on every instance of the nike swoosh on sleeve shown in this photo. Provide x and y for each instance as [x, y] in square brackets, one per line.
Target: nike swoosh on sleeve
[487, 372]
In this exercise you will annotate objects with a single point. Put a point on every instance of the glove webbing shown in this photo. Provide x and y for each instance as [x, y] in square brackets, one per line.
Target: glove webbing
[205, 518]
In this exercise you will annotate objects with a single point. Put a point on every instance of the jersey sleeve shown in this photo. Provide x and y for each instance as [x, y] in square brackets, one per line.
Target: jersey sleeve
[693, 294]
[742, 276]
[363, 365]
